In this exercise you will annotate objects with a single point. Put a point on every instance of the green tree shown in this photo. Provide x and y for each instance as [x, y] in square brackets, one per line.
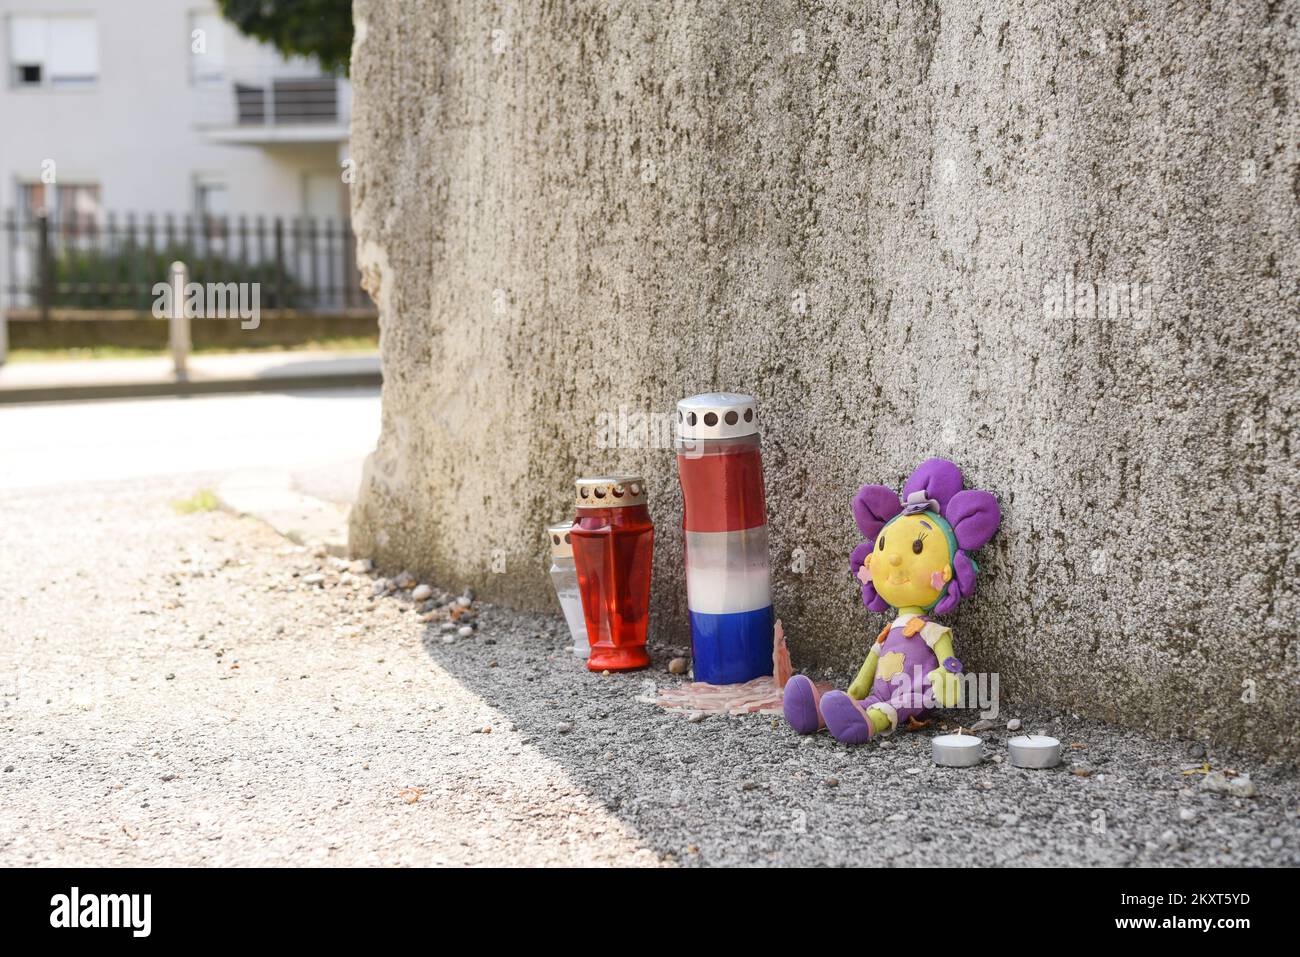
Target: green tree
[319, 28]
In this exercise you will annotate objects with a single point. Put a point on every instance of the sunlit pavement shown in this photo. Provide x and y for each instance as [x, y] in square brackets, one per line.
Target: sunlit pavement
[321, 437]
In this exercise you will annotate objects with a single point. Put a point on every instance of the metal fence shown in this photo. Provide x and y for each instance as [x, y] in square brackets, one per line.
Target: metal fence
[113, 262]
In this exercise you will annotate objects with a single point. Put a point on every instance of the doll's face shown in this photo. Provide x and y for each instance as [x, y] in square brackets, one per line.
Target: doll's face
[910, 562]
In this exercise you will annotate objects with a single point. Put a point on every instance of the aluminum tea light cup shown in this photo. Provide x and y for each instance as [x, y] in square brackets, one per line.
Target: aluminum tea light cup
[957, 750]
[1035, 751]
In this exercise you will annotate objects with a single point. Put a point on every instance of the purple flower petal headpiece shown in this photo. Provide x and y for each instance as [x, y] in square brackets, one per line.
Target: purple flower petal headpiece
[968, 517]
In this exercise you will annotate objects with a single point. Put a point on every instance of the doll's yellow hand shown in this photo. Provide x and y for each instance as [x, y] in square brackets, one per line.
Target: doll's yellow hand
[946, 687]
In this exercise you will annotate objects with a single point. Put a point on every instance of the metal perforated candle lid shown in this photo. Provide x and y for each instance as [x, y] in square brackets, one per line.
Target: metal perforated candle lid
[717, 415]
[561, 542]
[610, 491]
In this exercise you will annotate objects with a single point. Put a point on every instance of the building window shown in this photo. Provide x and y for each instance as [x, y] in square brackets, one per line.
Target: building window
[211, 203]
[53, 51]
[75, 207]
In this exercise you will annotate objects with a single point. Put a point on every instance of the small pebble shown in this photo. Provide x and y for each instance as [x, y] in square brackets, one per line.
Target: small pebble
[168, 777]
[1197, 750]
[1276, 843]
[1013, 724]
[983, 724]
[1220, 783]
[169, 677]
[314, 579]
[362, 566]
[8, 768]
[492, 663]
[565, 727]
[421, 593]
[748, 786]
[464, 631]
[379, 587]
[1187, 814]
[677, 666]
[832, 782]
[695, 717]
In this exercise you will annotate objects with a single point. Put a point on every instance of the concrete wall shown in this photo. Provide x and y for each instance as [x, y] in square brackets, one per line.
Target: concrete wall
[883, 220]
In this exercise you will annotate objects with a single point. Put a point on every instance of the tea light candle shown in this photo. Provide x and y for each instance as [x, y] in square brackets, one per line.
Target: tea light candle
[1034, 751]
[958, 750]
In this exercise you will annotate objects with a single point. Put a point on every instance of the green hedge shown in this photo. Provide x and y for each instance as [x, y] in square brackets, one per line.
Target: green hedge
[124, 278]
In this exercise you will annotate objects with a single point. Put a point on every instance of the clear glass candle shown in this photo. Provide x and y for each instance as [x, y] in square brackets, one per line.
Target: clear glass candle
[564, 575]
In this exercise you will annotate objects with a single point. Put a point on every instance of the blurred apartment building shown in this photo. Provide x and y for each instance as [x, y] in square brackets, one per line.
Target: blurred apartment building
[160, 106]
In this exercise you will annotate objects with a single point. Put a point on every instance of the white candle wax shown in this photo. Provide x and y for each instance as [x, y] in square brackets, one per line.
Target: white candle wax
[1035, 751]
[957, 750]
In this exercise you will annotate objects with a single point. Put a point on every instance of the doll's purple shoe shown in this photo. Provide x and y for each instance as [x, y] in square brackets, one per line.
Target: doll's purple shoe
[800, 702]
[845, 720]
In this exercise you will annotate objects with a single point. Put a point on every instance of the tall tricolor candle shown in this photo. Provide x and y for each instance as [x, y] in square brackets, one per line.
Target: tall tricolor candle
[613, 544]
[724, 517]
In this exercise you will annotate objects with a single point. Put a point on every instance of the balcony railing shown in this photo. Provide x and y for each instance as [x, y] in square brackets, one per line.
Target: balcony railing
[247, 104]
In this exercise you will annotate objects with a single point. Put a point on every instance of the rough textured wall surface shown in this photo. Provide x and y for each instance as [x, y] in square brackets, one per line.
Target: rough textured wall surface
[1054, 242]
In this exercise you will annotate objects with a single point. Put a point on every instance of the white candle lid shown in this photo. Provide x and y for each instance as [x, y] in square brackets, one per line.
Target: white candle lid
[717, 415]
[561, 543]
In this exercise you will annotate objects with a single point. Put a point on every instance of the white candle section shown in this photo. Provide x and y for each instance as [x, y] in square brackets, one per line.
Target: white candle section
[727, 572]
[958, 750]
[1034, 751]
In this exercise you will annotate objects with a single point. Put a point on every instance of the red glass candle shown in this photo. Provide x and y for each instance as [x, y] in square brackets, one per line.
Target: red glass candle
[613, 544]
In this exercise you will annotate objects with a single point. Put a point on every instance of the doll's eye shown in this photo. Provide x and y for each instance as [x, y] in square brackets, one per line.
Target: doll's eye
[882, 543]
[917, 546]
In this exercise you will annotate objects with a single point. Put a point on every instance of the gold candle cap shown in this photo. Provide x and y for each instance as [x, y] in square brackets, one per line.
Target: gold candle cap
[610, 491]
[561, 542]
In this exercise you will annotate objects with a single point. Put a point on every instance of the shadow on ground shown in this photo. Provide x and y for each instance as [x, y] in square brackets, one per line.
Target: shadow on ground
[748, 791]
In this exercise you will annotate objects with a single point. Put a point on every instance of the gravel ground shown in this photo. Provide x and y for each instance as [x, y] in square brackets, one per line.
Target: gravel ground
[190, 689]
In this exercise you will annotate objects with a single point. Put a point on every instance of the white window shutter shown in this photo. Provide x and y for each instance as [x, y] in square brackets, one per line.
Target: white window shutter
[74, 48]
[29, 40]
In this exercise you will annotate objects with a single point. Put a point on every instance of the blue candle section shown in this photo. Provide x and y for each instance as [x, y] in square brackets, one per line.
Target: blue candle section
[733, 647]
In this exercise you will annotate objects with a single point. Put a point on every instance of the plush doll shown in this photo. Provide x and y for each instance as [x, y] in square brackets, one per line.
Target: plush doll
[915, 559]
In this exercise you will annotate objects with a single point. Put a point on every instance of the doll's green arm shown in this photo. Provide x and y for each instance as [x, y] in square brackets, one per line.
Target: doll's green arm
[943, 647]
[861, 686]
[946, 685]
